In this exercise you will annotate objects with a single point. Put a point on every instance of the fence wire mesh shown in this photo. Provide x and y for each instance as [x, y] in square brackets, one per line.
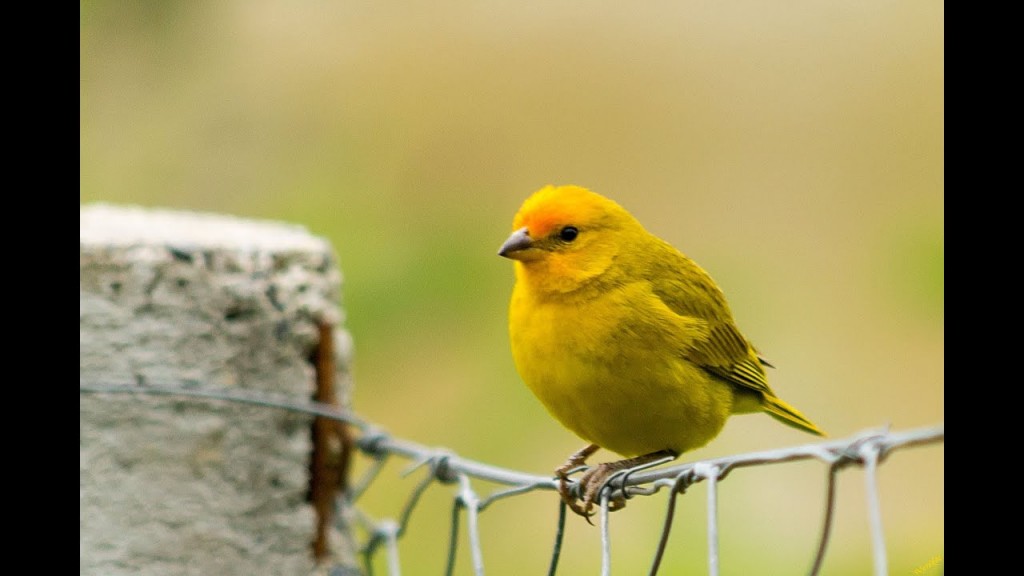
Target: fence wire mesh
[866, 450]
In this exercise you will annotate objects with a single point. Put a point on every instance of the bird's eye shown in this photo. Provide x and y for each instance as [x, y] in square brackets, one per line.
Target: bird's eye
[569, 233]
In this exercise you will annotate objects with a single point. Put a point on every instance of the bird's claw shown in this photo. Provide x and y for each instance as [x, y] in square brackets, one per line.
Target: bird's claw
[571, 501]
[590, 484]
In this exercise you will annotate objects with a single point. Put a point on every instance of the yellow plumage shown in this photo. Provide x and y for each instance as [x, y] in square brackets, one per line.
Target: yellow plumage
[626, 341]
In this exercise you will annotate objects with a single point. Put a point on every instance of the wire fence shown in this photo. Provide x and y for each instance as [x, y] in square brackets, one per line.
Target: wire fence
[867, 450]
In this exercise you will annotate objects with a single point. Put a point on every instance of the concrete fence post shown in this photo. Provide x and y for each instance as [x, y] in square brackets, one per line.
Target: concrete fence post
[176, 485]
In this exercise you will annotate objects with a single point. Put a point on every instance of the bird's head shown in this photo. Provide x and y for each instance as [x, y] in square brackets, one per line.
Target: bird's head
[564, 236]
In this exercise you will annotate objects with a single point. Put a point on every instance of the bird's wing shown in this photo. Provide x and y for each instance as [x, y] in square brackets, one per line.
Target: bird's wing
[720, 348]
[728, 355]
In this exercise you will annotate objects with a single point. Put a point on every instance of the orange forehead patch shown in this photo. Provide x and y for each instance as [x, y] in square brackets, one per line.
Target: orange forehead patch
[553, 207]
[542, 222]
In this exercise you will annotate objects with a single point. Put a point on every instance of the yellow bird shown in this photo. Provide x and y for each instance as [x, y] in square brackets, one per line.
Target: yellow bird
[625, 340]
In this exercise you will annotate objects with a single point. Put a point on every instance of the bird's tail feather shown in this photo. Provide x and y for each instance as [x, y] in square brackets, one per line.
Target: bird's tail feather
[783, 412]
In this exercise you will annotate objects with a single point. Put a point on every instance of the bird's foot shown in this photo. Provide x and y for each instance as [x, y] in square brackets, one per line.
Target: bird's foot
[577, 461]
[590, 485]
[594, 480]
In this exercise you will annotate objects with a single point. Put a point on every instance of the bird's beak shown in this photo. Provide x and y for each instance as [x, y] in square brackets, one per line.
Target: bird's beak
[519, 240]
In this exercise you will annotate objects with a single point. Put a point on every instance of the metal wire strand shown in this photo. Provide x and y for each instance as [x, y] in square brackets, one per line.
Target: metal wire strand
[386, 532]
[710, 473]
[238, 396]
[826, 528]
[471, 503]
[870, 453]
[465, 499]
[453, 538]
[606, 545]
[666, 528]
[410, 503]
[559, 535]
[512, 492]
[367, 478]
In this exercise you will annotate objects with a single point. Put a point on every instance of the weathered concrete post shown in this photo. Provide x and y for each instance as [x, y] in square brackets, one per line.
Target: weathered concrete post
[177, 485]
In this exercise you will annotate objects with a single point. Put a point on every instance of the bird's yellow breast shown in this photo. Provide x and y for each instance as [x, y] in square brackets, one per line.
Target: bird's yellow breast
[609, 366]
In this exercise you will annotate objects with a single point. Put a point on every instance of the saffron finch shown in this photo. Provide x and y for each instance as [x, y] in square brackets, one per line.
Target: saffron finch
[626, 341]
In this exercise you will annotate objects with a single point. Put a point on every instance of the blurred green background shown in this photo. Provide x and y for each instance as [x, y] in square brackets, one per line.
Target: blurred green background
[794, 150]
